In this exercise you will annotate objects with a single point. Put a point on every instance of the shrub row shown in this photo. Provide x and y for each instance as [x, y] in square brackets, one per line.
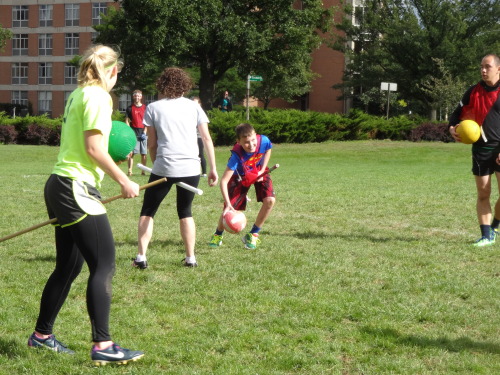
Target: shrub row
[293, 126]
[281, 126]
[32, 130]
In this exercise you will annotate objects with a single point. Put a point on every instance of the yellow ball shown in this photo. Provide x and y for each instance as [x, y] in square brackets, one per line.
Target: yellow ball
[469, 131]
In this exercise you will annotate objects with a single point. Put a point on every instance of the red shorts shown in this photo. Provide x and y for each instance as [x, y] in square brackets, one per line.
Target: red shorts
[238, 193]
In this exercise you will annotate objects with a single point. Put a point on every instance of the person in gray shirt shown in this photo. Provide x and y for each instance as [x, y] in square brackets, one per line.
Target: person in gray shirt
[172, 141]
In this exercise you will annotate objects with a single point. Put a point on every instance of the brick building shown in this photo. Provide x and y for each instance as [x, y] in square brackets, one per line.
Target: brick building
[35, 68]
[35, 64]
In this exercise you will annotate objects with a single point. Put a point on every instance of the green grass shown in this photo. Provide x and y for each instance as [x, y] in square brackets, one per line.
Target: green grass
[365, 267]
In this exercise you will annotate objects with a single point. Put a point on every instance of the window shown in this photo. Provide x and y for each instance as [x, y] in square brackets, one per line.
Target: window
[20, 45]
[45, 15]
[147, 99]
[44, 102]
[124, 102]
[20, 16]
[69, 74]
[45, 73]
[20, 73]
[71, 44]
[358, 13]
[97, 9]
[20, 97]
[72, 14]
[45, 44]
[66, 97]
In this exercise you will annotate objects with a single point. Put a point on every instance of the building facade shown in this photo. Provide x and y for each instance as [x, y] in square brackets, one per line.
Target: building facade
[36, 67]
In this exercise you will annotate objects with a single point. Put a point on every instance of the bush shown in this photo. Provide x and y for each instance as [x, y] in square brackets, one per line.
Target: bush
[281, 126]
[8, 134]
[430, 131]
[37, 135]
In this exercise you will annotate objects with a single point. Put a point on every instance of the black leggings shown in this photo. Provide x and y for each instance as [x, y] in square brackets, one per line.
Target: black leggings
[155, 195]
[90, 240]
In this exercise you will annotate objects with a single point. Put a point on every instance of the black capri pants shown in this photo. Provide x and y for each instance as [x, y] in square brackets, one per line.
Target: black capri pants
[155, 195]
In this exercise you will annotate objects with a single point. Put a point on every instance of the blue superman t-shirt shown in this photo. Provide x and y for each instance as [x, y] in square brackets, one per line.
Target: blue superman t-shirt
[235, 163]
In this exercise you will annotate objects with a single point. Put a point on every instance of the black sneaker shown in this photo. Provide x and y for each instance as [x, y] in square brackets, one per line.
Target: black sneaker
[114, 354]
[186, 264]
[140, 265]
[49, 343]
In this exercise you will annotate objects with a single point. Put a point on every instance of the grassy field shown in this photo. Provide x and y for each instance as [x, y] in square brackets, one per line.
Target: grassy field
[365, 267]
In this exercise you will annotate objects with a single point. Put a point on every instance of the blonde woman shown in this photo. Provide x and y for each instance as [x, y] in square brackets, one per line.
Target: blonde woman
[82, 230]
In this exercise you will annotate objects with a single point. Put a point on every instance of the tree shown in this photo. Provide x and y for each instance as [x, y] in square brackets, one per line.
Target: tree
[396, 41]
[445, 91]
[5, 35]
[286, 73]
[214, 35]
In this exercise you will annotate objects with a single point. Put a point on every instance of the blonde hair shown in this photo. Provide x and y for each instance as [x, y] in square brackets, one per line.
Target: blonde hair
[95, 63]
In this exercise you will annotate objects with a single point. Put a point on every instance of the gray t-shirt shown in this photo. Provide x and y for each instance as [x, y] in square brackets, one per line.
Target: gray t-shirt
[176, 122]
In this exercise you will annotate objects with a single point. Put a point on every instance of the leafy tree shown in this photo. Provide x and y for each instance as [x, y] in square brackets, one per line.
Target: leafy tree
[214, 35]
[286, 74]
[397, 41]
[444, 91]
[5, 35]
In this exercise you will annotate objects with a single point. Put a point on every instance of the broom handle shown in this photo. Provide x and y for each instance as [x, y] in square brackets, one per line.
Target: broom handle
[52, 221]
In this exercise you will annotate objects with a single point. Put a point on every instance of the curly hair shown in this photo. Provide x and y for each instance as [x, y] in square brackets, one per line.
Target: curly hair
[173, 83]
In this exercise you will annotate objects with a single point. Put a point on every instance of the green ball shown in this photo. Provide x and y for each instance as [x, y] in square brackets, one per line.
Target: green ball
[122, 141]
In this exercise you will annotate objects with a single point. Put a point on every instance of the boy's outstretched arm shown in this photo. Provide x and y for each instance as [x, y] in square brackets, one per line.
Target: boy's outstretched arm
[228, 173]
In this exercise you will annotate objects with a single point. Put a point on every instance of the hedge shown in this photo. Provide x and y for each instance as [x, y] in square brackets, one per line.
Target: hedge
[281, 126]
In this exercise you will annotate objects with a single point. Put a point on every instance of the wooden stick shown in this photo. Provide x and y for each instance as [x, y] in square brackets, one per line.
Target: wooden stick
[52, 221]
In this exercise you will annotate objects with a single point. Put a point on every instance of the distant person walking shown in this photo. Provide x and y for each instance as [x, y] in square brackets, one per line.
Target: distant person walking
[225, 104]
[135, 115]
[201, 153]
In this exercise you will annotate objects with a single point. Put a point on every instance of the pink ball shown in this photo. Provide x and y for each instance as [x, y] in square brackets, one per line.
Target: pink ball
[234, 221]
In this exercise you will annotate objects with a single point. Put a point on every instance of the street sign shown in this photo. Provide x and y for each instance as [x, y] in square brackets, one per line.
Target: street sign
[256, 78]
[388, 86]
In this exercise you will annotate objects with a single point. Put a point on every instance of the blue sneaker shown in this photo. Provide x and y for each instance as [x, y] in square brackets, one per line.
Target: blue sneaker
[49, 343]
[114, 354]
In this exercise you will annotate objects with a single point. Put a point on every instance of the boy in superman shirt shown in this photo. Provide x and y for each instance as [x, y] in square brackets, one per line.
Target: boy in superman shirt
[247, 166]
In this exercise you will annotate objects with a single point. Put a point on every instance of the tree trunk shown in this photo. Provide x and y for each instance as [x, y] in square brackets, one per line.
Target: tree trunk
[433, 114]
[207, 85]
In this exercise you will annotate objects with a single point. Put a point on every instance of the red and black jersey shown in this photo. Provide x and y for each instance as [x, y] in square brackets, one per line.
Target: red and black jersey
[481, 103]
[135, 115]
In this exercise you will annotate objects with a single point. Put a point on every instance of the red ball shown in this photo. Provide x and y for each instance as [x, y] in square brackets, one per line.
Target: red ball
[234, 221]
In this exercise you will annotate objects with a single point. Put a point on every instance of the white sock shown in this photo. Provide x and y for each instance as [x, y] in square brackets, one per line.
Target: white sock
[191, 259]
[140, 258]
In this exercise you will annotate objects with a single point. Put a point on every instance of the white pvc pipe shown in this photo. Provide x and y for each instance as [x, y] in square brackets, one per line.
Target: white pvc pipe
[181, 184]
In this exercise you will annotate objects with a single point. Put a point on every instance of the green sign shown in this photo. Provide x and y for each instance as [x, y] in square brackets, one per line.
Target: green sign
[256, 78]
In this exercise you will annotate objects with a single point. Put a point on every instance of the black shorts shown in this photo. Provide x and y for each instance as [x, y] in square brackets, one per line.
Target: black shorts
[70, 201]
[484, 160]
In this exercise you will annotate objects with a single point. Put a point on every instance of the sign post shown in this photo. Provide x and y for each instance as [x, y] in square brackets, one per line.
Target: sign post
[387, 86]
[254, 79]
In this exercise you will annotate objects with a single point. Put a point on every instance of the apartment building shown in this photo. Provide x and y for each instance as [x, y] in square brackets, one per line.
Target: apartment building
[36, 69]
[35, 66]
